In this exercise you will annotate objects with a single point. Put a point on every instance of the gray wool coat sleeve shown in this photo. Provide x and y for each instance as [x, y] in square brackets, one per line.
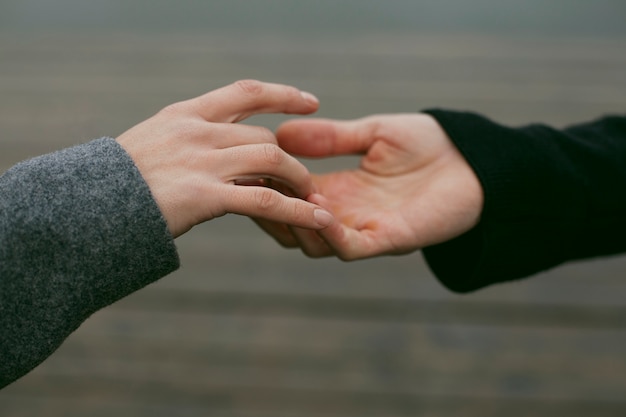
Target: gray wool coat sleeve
[79, 230]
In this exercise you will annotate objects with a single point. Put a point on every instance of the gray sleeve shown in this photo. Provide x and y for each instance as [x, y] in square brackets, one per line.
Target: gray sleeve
[79, 230]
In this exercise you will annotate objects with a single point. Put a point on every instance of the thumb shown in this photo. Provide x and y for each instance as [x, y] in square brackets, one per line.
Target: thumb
[326, 137]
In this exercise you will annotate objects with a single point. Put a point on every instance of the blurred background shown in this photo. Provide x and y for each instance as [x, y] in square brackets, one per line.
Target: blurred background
[246, 328]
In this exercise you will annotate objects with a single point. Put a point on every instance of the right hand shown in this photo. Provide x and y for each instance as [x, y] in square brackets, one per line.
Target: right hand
[194, 157]
[413, 187]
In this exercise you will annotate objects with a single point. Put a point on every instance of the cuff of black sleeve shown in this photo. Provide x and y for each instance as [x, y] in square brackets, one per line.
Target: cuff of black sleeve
[528, 209]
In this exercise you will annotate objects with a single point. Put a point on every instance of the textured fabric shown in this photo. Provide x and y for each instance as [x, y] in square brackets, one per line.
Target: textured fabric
[79, 230]
[551, 196]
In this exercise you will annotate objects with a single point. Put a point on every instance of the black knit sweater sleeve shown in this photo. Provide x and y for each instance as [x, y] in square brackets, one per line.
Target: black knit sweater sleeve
[551, 196]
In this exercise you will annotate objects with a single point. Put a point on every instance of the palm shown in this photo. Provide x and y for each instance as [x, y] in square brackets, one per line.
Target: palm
[369, 204]
[412, 189]
[398, 201]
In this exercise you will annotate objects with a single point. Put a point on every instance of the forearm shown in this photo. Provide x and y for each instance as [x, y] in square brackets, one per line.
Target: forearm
[550, 196]
[79, 230]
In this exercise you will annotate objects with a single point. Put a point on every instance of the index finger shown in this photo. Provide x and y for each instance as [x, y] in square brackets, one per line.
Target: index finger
[245, 98]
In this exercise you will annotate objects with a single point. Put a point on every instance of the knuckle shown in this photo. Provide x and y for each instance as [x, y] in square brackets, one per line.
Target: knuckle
[273, 154]
[174, 109]
[292, 93]
[265, 199]
[299, 212]
[250, 87]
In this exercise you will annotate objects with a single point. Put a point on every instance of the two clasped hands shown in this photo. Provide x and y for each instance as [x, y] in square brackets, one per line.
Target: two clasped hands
[412, 189]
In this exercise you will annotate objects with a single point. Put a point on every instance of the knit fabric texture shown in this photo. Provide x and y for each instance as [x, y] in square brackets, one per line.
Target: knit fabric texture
[551, 196]
[79, 230]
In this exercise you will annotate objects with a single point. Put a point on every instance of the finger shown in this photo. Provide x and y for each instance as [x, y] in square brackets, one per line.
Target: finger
[245, 98]
[325, 137]
[279, 231]
[345, 242]
[311, 243]
[250, 162]
[265, 203]
[228, 135]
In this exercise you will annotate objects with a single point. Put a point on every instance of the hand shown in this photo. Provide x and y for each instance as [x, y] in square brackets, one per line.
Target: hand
[413, 187]
[196, 160]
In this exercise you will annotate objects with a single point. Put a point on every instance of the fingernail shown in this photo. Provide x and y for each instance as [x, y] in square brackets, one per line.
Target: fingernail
[323, 218]
[309, 97]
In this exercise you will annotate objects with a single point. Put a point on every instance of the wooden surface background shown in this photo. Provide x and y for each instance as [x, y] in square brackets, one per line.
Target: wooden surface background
[246, 328]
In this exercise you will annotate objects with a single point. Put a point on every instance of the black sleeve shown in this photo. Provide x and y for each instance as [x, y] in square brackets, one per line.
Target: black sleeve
[551, 196]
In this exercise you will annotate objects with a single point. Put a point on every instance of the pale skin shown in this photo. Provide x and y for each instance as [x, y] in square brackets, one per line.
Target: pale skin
[197, 160]
[413, 188]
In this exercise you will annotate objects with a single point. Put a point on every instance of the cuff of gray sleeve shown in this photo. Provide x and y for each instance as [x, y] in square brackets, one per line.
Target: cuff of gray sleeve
[80, 230]
[140, 245]
[90, 225]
